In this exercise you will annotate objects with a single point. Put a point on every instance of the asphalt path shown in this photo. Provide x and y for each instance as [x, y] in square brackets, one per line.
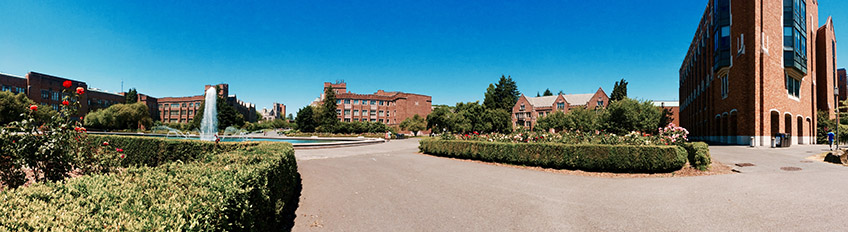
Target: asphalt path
[391, 187]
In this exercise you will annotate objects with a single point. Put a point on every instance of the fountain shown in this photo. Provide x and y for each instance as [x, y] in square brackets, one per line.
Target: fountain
[209, 124]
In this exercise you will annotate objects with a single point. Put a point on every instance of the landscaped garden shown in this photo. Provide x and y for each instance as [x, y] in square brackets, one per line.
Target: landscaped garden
[57, 177]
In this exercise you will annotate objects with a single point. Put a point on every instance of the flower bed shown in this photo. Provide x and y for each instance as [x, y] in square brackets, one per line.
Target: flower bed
[181, 185]
[589, 157]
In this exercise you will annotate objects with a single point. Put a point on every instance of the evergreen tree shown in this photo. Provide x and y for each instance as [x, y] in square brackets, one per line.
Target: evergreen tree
[619, 91]
[305, 119]
[327, 116]
[548, 93]
[537, 94]
[290, 117]
[504, 95]
[490, 98]
[131, 96]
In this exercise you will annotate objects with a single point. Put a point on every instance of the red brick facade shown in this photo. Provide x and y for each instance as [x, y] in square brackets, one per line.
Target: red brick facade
[529, 109]
[48, 90]
[758, 94]
[390, 108]
[826, 68]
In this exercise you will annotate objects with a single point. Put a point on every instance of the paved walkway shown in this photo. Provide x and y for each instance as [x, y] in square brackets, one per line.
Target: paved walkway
[389, 187]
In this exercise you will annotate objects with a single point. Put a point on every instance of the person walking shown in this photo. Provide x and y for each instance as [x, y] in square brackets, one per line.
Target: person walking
[830, 136]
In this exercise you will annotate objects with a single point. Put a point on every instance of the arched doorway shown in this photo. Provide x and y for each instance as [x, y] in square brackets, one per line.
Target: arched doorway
[734, 133]
[775, 125]
[800, 123]
[788, 126]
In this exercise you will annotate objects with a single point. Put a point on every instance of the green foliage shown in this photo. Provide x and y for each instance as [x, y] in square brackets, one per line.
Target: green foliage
[253, 188]
[439, 119]
[290, 117]
[415, 123]
[698, 155]
[589, 157]
[15, 107]
[120, 116]
[503, 96]
[548, 93]
[267, 124]
[227, 115]
[131, 96]
[305, 119]
[469, 117]
[619, 91]
[153, 151]
[626, 115]
[327, 117]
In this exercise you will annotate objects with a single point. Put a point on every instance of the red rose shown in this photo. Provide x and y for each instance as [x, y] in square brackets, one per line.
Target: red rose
[123, 156]
[33, 107]
[66, 84]
[105, 143]
[65, 102]
[119, 150]
[80, 117]
[80, 90]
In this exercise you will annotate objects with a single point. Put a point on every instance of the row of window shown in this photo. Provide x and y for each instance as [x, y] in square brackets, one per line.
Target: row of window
[179, 112]
[366, 120]
[178, 105]
[51, 95]
[100, 103]
[13, 89]
[363, 102]
[364, 113]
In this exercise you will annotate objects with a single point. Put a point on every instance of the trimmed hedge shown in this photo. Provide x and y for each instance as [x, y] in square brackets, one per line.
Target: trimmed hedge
[153, 151]
[699, 155]
[589, 157]
[253, 187]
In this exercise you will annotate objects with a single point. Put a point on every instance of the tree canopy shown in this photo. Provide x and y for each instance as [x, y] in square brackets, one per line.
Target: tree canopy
[12, 106]
[415, 123]
[119, 117]
[503, 96]
[227, 115]
[305, 120]
[327, 117]
[619, 91]
[548, 93]
[131, 96]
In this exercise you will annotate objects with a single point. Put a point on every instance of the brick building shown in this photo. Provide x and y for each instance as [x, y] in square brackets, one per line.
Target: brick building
[843, 84]
[529, 109]
[826, 68]
[389, 108]
[48, 90]
[747, 77]
[183, 109]
[671, 106]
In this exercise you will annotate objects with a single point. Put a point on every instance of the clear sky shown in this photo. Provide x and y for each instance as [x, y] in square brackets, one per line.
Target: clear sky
[282, 51]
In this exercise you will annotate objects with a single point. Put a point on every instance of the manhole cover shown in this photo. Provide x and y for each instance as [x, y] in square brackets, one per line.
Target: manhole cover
[790, 169]
[806, 161]
[745, 164]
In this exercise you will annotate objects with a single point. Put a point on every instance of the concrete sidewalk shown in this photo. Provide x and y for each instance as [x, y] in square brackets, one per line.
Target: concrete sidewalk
[390, 187]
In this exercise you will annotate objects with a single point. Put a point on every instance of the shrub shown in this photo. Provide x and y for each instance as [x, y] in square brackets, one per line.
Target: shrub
[698, 155]
[153, 151]
[120, 116]
[589, 157]
[255, 187]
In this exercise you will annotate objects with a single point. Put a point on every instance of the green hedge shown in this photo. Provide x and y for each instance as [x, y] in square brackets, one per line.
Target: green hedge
[699, 155]
[254, 187]
[153, 151]
[589, 157]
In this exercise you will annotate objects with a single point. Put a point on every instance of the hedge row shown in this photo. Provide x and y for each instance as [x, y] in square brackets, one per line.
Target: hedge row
[698, 155]
[253, 188]
[589, 157]
[153, 151]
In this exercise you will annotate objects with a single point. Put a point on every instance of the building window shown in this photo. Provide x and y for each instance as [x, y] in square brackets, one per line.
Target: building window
[373, 102]
[347, 112]
[373, 113]
[355, 112]
[522, 107]
[347, 120]
[600, 103]
[724, 86]
[793, 87]
[381, 102]
[55, 96]
[381, 113]
[45, 94]
[175, 106]
[381, 120]
[355, 102]
[347, 101]
[338, 112]
[560, 105]
[338, 101]
[373, 120]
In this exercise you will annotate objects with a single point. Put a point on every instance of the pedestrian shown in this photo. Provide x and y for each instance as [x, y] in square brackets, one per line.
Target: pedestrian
[830, 136]
[388, 135]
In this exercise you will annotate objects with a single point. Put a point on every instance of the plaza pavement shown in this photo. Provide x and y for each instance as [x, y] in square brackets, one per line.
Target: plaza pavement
[390, 187]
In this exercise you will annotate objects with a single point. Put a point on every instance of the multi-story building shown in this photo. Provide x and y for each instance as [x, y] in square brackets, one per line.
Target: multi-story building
[843, 84]
[750, 76]
[671, 106]
[179, 109]
[277, 111]
[825, 60]
[48, 90]
[389, 108]
[529, 109]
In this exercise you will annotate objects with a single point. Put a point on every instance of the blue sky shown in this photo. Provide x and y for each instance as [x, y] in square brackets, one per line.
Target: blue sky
[282, 51]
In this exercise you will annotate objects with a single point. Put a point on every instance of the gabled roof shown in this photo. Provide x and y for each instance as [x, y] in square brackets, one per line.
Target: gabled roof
[545, 101]
[578, 99]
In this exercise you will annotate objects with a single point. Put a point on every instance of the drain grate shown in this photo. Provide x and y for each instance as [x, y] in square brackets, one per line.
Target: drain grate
[790, 169]
[745, 165]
